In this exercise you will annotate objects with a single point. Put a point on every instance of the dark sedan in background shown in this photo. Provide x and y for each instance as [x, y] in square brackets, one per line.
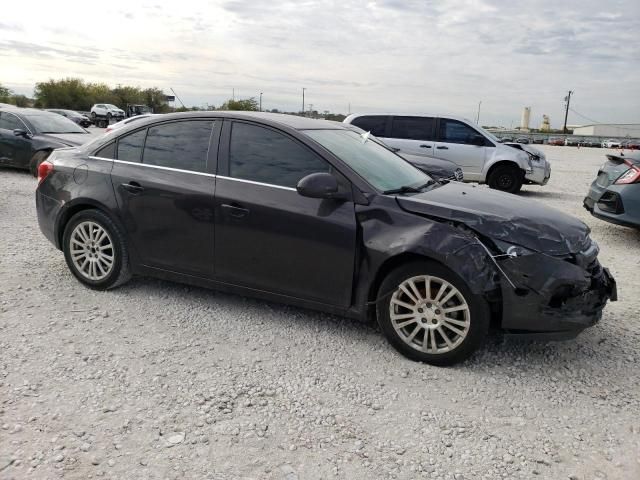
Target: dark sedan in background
[614, 195]
[76, 117]
[28, 136]
[314, 214]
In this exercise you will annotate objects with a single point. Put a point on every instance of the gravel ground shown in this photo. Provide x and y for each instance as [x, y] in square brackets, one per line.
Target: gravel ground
[157, 380]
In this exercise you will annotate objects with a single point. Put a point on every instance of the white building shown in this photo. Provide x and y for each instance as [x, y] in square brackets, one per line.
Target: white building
[629, 130]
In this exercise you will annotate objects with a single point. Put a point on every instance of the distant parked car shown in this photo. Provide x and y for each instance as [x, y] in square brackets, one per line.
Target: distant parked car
[126, 121]
[572, 141]
[523, 140]
[556, 141]
[76, 117]
[480, 154]
[614, 195]
[631, 145]
[28, 136]
[611, 143]
[106, 111]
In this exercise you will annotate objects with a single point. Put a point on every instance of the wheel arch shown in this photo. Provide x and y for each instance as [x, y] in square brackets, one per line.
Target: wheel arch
[503, 163]
[76, 206]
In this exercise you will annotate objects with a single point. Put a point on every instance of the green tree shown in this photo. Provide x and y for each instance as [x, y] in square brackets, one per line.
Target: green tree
[5, 93]
[156, 99]
[250, 104]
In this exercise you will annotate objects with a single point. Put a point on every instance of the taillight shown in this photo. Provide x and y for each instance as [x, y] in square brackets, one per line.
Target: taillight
[44, 169]
[630, 176]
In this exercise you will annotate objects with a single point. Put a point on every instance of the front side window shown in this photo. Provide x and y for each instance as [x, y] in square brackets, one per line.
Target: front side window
[376, 124]
[130, 146]
[262, 155]
[183, 145]
[453, 131]
[10, 122]
[380, 167]
[413, 128]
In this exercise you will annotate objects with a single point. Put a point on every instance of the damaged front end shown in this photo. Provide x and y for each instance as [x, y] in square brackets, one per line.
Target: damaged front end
[554, 296]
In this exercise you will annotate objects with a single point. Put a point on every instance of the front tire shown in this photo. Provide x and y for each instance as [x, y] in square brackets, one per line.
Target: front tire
[95, 250]
[429, 314]
[506, 178]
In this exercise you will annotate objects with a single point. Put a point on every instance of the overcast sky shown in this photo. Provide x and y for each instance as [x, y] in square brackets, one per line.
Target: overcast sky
[386, 55]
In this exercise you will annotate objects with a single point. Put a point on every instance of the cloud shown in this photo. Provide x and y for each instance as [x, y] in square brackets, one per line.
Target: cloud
[412, 55]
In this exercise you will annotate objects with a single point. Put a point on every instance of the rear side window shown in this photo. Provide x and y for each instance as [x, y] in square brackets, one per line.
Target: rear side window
[376, 124]
[130, 146]
[266, 156]
[413, 128]
[10, 122]
[108, 151]
[453, 131]
[183, 145]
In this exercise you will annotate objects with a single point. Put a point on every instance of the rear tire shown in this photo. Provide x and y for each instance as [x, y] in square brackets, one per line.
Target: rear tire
[430, 315]
[36, 160]
[95, 250]
[506, 178]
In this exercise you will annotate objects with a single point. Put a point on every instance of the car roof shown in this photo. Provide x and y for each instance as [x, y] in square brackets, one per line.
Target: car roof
[409, 114]
[275, 119]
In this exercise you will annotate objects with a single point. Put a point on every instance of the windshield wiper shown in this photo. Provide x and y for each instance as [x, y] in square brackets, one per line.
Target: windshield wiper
[409, 189]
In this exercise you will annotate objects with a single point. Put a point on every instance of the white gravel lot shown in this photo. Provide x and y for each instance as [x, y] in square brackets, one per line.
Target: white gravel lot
[157, 380]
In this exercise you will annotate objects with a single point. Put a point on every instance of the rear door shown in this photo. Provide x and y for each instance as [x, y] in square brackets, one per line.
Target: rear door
[270, 238]
[15, 150]
[413, 135]
[164, 180]
[459, 143]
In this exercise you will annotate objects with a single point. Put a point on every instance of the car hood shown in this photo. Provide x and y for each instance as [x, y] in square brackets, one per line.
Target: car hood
[502, 216]
[436, 167]
[68, 139]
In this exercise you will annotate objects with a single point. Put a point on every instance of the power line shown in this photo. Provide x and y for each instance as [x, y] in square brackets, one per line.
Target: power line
[595, 122]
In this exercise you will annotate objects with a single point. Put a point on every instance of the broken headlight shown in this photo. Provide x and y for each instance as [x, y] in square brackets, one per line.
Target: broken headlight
[509, 250]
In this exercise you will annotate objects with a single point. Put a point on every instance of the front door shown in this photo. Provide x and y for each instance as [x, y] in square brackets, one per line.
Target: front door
[463, 145]
[15, 150]
[270, 238]
[164, 184]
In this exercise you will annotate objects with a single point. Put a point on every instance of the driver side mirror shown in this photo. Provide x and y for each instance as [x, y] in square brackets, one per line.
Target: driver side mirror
[478, 140]
[19, 132]
[319, 185]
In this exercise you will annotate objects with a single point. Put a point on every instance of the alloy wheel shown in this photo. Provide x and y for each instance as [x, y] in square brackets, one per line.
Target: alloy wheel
[430, 314]
[92, 251]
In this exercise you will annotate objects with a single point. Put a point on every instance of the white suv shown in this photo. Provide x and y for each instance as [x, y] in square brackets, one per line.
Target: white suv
[479, 153]
[106, 110]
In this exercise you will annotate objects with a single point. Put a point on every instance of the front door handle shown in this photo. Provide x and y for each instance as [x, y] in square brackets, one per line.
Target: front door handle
[425, 146]
[235, 211]
[132, 187]
[442, 147]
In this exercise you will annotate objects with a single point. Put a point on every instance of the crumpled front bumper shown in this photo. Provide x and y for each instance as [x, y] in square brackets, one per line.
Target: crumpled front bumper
[540, 173]
[554, 295]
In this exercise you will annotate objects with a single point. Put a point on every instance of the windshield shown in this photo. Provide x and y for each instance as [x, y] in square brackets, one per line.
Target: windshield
[489, 134]
[53, 123]
[383, 169]
[112, 106]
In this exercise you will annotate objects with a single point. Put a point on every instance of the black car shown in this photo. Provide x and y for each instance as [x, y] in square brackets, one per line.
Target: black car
[311, 213]
[80, 119]
[28, 136]
[614, 196]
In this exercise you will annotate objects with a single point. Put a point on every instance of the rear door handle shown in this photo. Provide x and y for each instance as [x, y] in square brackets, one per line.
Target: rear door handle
[425, 146]
[132, 187]
[442, 147]
[235, 211]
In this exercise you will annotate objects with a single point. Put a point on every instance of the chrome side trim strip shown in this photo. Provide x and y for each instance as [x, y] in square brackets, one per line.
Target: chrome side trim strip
[257, 183]
[153, 166]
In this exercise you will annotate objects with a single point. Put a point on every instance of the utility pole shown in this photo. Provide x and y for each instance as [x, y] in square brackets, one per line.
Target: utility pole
[260, 101]
[567, 99]
[478, 115]
[311, 109]
[233, 94]
[303, 89]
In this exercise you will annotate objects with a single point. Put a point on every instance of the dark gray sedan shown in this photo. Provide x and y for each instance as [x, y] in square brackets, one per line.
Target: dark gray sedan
[615, 195]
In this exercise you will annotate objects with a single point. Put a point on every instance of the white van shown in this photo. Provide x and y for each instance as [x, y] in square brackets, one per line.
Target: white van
[479, 153]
